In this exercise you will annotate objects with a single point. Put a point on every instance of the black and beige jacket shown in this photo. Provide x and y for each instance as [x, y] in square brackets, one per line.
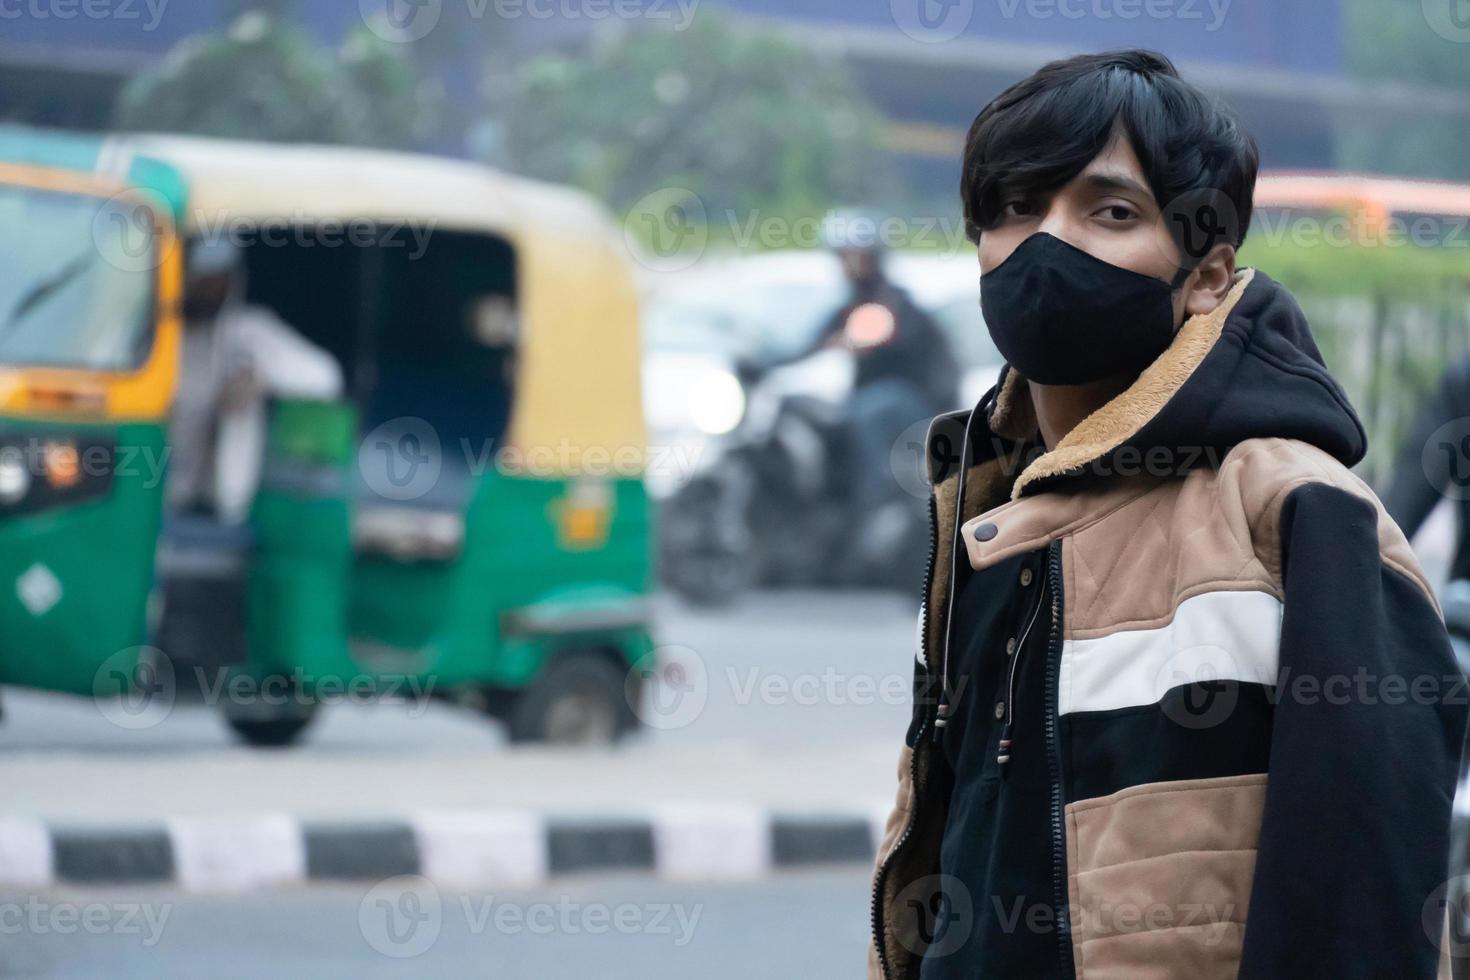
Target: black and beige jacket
[1184, 705]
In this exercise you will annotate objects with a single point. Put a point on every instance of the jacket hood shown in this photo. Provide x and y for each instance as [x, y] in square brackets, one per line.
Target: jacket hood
[1248, 369]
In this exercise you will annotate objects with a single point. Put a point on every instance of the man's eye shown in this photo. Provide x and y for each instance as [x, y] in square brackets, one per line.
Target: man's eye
[1118, 212]
[1016, 208]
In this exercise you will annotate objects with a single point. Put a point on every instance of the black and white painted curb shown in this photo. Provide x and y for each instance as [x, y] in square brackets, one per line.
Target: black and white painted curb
[213, 854]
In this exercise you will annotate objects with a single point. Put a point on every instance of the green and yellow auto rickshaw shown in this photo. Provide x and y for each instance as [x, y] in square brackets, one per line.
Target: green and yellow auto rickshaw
[467, 522]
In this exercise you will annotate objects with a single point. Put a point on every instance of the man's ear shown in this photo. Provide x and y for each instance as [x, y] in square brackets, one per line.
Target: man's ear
[1207, 285]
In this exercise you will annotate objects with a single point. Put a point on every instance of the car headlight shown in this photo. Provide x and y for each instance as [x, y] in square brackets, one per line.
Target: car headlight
[718, 404]
[15, 480]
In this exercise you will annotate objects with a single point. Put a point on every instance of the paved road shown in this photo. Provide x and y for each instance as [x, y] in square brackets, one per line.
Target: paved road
[801, 699]
[811, 925]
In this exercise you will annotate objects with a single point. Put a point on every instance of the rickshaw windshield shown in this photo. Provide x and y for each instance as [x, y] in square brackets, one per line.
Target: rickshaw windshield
[78, 285]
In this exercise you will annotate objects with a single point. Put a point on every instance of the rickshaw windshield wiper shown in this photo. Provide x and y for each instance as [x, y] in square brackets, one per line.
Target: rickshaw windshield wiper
[47, 288]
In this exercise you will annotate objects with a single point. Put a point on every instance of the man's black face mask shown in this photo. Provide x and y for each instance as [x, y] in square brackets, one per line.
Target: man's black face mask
[1063, 317]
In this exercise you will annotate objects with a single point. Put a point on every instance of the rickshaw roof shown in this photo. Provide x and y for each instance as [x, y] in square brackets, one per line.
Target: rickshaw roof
[91, 157]
[579, 355]
[255, 181]
[579, 378]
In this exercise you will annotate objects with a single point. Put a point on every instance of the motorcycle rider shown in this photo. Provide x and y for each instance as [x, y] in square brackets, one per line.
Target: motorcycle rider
[905, 373]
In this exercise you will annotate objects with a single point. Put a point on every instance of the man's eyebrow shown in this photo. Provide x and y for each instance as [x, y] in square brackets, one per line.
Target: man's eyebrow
[1115, 182]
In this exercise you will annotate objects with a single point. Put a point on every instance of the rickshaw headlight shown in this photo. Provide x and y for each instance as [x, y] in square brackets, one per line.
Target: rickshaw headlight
[15, 479]
[718, 404]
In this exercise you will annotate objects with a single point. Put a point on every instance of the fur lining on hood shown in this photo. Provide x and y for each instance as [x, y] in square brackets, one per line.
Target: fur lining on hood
[1249, 368]
[1106, 428]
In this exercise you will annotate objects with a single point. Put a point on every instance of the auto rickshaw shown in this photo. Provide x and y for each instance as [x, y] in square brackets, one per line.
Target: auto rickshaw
[467, 522]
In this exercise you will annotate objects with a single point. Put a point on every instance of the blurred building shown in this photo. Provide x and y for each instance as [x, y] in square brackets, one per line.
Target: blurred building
[928, 64]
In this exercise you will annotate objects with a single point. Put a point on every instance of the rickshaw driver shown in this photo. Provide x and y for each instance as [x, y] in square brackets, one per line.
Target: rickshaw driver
[235, 355]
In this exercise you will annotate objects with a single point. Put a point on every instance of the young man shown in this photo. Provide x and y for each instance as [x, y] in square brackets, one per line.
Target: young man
[1184, 705]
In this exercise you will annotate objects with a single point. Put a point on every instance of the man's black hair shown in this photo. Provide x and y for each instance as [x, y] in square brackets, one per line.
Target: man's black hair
[1042, 131]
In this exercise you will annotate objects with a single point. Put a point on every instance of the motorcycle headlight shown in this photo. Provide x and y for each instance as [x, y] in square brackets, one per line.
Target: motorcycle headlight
[718, 405]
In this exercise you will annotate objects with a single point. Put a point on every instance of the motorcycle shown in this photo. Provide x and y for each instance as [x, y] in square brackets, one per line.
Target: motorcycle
[771, 503]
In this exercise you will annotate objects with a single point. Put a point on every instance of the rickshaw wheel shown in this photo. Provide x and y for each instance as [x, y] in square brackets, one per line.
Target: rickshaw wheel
[578, 700]
[271, 729]
[275, 733]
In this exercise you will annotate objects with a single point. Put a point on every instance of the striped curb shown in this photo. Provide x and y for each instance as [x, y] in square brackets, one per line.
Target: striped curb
[501, 848]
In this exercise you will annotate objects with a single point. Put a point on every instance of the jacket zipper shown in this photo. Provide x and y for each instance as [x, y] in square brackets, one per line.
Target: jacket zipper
[1003, 748]
[877, 908]
[1054, 759]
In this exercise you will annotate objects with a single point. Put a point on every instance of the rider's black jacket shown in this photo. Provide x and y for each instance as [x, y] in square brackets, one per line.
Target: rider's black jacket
[916, 350]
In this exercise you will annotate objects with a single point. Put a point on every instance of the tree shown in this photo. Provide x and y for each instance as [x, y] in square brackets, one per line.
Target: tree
[744, 118]
[264, 79]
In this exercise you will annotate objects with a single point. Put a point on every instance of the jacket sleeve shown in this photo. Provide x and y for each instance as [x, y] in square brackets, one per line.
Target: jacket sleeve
[1365, 744]
[1420, 477]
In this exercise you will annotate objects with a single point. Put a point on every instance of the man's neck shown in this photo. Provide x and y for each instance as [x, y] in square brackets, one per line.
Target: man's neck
[1059, 408]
